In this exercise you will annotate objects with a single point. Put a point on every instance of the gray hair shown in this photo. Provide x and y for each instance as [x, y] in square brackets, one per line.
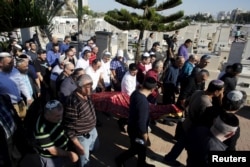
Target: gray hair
[83, 80]
[67, 64]
[156, 64]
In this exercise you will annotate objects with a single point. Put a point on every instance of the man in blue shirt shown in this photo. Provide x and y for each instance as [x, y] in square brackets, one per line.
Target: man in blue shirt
[53, 55]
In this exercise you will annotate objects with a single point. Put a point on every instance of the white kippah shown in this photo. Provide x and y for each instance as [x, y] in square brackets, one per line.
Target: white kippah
[146, 54]
[5, 54]
[50, 105]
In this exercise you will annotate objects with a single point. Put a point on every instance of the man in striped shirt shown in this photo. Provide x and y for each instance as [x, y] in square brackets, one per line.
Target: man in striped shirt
[51, 139]
[80, 119]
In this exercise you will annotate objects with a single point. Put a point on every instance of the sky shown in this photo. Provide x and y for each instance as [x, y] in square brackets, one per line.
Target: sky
[188, 6]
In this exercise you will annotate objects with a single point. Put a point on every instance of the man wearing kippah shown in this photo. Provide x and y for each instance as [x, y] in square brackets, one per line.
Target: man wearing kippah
[201, 140]
[52, 142]
[232, 102]
[138, 125]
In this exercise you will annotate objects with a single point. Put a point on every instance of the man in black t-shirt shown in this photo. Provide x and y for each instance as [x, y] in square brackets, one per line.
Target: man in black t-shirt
[43, 69]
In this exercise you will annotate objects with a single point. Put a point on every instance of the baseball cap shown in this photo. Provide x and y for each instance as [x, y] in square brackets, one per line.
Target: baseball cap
[237, 67]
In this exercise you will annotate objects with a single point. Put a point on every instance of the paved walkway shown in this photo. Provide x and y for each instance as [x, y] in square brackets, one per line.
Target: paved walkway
[113, 142]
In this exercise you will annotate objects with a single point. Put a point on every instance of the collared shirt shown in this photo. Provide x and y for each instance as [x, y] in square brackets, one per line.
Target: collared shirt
[52, 58]
[82, 63]
[105, 68]
[187, 69]
[183, 52]
[8, 86]
[119, 68]
[79, 116]
[95, 75]
[27, 83]
[6, 119]
[17, 78]
[128, 84]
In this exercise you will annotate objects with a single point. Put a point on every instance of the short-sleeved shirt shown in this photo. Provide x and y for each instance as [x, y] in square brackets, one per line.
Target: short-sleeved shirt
[119, 68]
[79, 116]
[42, 67]
[183, 52]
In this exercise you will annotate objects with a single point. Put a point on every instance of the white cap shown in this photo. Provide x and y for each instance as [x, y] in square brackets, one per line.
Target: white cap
[5, 54]
[120, 53]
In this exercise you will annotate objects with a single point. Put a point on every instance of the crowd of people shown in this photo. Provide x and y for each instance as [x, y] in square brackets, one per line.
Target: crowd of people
[45, 95]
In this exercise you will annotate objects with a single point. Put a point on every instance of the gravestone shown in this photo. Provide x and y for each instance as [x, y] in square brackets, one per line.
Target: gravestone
[236, 51]
[103, 41]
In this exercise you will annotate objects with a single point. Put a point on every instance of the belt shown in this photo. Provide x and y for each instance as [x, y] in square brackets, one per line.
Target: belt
[86, 135]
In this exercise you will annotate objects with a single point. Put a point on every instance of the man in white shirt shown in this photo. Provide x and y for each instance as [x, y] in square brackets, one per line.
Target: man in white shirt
[128, 84]
[105, 69]
[83, 62]
[95, 73]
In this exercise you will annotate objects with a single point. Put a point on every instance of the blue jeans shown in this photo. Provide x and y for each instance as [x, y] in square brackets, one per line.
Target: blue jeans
[89, 144]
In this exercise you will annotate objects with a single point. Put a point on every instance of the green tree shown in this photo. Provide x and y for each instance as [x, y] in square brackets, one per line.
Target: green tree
[49, 8]
[150, 19]
[20, 14]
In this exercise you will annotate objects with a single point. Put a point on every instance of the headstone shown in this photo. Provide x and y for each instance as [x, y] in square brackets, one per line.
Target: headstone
[103, 41]
[236, 51]
[246, 52]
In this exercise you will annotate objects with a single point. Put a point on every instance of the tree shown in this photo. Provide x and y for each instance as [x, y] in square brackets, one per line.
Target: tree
[49, 8]
[20, 14]
[150, 20]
